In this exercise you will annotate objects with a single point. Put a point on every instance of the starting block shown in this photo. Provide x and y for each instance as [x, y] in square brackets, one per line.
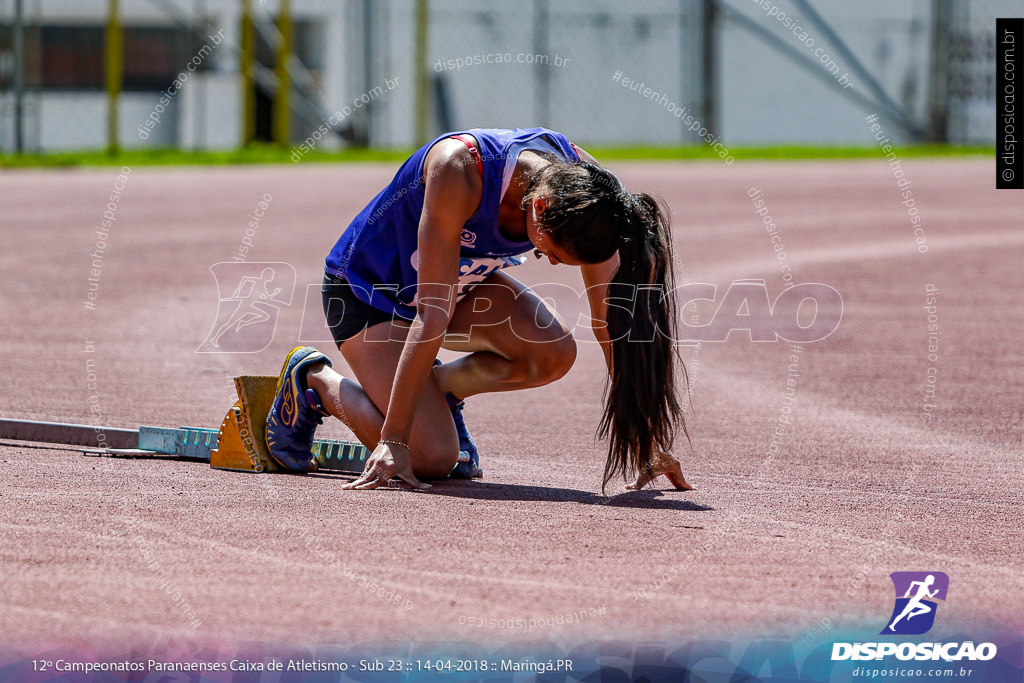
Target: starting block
[241, 441]
[239, 445]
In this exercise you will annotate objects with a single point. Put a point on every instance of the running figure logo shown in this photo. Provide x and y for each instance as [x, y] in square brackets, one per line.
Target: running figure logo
[916, 601]
[247, 317]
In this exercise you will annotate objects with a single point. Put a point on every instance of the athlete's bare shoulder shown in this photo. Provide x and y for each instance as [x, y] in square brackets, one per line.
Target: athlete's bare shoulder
[584, 155]
[451, 159]
[452, 178]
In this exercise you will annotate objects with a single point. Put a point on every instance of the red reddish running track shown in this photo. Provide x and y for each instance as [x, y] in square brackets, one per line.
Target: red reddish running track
[769, 542]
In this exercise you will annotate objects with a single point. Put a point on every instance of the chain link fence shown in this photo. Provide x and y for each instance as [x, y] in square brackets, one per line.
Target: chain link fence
[972, 68]
[393, 73]
[65, 104]
[553, 64]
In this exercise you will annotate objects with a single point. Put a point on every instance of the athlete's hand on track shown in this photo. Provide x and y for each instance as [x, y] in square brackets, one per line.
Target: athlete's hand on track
[387, 461]
[664, 463]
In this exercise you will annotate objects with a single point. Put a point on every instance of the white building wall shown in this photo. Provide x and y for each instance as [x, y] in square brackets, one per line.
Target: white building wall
[766, 99]
[763, 97]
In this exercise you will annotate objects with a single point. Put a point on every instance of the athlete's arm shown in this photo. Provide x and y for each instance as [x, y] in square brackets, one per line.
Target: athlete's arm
[596, 278]
[453, 189]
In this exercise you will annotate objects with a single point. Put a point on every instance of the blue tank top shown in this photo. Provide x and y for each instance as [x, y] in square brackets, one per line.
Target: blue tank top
[377, 253]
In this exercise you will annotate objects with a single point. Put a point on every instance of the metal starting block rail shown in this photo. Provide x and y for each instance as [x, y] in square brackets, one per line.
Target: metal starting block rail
[194, 443]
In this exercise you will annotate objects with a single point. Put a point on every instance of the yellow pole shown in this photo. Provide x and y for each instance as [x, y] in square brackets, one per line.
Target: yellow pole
[19, 76]
[282, 99]
[420, 64]
[114, 53]
[246, 54]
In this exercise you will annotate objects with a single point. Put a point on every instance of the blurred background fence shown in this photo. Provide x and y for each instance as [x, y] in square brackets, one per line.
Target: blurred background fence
[221, 74]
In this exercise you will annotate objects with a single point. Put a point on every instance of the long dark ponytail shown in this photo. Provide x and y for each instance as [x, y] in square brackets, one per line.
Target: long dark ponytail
[591, 213]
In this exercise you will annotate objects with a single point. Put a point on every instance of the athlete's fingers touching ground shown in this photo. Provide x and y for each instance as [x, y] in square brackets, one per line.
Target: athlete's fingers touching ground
[401, 466]
[676, 477]
[412, 481]
[642, 480]
[378, 470]
[369, 479]
[664, 463]
[387, 461]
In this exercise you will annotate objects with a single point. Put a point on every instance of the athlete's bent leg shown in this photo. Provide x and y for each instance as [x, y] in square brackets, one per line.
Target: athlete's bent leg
[346, 400]
[515, 339]
[373, 356]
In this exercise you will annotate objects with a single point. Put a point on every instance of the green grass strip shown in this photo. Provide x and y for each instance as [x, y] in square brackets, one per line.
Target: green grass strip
[268, 154]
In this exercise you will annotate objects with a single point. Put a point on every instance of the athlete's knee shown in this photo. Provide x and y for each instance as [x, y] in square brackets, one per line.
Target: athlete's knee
[435, 459]
[549, 360]
[562, 358]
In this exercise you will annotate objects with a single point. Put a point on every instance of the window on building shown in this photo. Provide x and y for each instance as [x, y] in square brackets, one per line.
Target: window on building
[66, 57]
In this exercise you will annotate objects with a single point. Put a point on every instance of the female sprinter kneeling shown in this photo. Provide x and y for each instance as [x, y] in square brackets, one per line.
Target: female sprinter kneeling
[422, 267]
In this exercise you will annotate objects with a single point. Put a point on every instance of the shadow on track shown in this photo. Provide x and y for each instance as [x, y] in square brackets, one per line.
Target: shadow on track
[650, 499]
